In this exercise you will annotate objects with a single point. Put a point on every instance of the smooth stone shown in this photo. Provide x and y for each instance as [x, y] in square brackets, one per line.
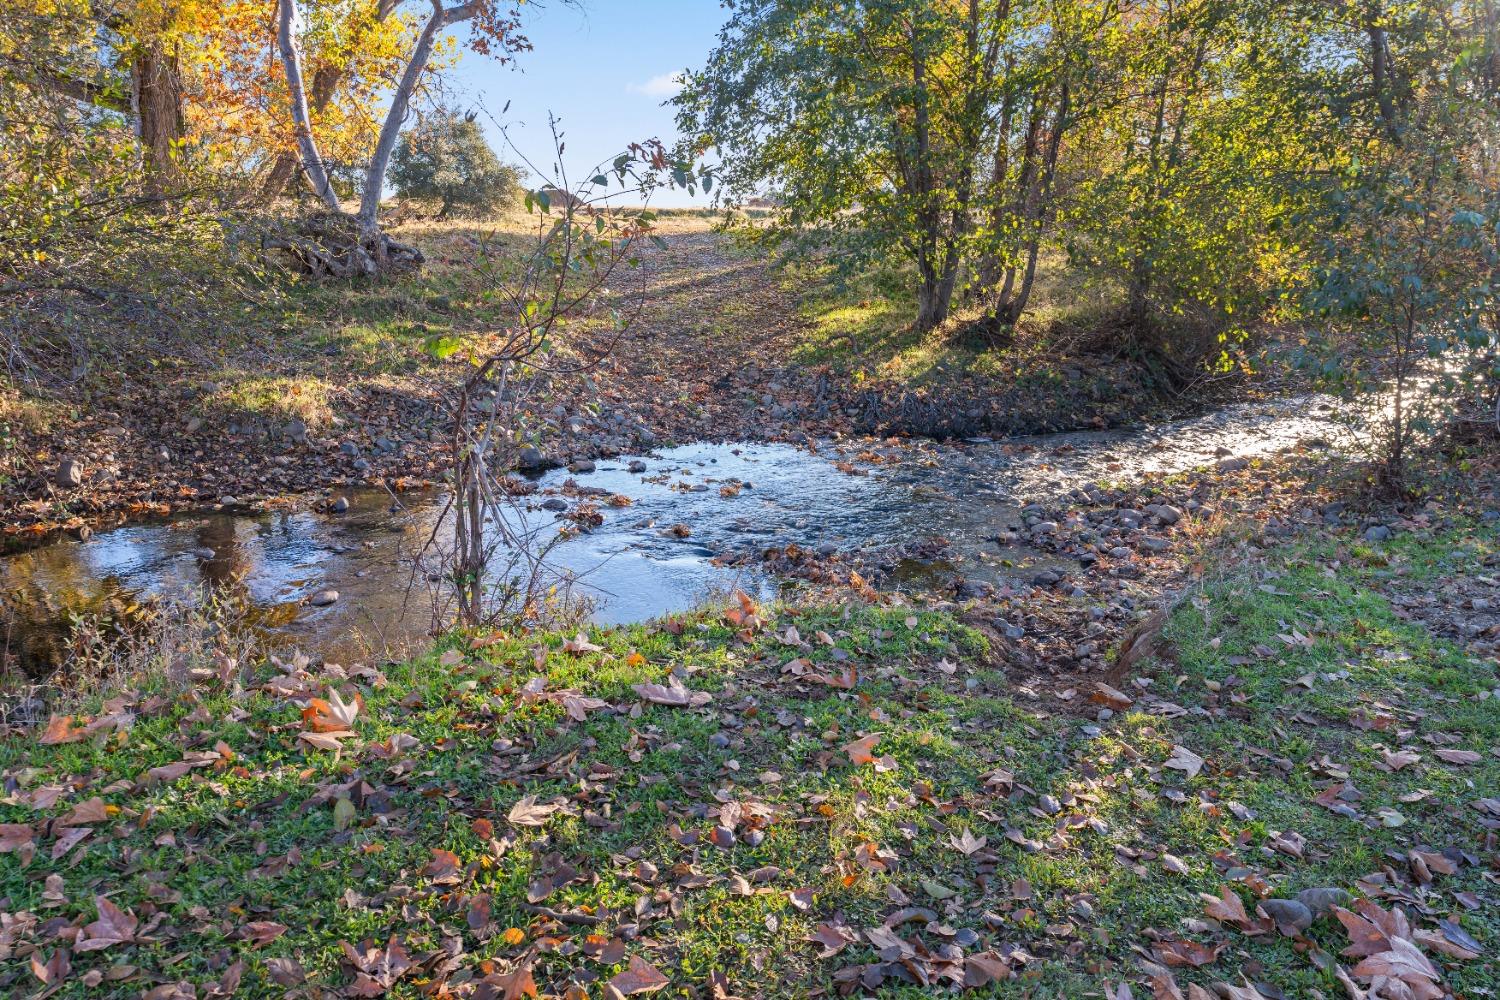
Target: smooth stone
[1291, 916]
[349, 448]
[555, 503]
[1377, 533]
[69, 474]
[529, 457]
[339, 506]
[636, 465]
[323, 598]
[1321, 901]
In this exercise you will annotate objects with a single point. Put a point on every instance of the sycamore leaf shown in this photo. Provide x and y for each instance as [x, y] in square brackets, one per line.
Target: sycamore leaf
[529, 812]
[580, 644]
[62, 729]
[639, 977]
[673, 694]
[1184, 760]
[966, 843]
[861, 751]
[114, 926]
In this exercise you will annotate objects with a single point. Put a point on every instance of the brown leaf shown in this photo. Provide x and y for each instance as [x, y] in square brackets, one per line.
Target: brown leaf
[285, 971]
[92, 811]
[673, 693]
[54, 971]
[1184, 760]
[529, 812]
[262, 932]
[1186, 953]
[1463, 757]
[832, 938]
[639, 977]
[62, 729]
[443, 867]
[114, 926]
[1227, 908]
[861, 751]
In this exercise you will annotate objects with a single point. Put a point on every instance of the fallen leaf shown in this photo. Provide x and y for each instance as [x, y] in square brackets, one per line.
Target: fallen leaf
[114, 926]
[1184, 760]
[639, 977]
[861, 750]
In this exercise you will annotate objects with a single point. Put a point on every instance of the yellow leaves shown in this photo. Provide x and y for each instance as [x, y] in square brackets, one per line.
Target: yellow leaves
[513, 936]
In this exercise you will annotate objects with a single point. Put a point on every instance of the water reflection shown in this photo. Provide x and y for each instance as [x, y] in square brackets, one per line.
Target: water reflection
[652, 557]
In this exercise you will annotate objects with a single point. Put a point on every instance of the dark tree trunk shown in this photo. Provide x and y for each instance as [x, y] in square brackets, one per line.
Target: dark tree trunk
[157, 96]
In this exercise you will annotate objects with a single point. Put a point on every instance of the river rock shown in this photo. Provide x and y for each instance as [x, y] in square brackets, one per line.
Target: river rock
[296, 430]
[582, 465]
[1232, 464]
[1377, 533]
[554, 503]
[1291, 916]
[1164, 512]
[339, 505]
[69, 474]
[530, 458]
[204, 553]
[349, 448]
[636, 465]
[323, 598]
[1321, 901]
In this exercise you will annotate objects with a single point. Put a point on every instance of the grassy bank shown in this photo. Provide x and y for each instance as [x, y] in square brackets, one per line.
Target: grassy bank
[529, 809]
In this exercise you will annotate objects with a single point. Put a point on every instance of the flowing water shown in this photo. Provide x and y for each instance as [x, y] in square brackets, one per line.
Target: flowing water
[729, 499]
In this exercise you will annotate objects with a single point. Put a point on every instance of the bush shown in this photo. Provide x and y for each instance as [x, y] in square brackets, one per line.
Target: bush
[446, 159]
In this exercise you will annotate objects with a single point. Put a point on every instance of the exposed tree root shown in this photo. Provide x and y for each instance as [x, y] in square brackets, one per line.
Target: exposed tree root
[327, 245]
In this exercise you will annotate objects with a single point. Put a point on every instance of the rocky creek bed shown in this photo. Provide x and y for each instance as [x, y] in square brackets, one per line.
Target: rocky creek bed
[658, 533]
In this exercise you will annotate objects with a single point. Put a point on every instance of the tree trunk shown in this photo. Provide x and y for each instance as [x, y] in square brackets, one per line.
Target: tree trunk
[325, 85]
[156, 93]
[369, 202]
[291, 59]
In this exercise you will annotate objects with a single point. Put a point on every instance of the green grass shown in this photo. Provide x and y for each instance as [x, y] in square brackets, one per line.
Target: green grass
[255, 838]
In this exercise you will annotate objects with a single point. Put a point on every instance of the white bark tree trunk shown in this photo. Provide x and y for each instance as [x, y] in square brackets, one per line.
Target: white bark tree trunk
[291, 60]
[369, 202]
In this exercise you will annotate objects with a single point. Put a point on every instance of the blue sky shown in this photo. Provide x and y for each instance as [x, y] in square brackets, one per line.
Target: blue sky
[603, 69]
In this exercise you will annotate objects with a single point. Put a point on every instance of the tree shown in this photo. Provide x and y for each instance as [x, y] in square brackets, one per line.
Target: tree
[493, 30]
[446, 159]
[867, 119]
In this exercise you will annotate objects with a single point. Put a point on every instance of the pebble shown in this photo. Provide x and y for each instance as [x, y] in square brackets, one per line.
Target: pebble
[1233, 464]
[554, 503]
[349, 448]
[529, 458]
[204, 553]
[340, 505]
[323, 598]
